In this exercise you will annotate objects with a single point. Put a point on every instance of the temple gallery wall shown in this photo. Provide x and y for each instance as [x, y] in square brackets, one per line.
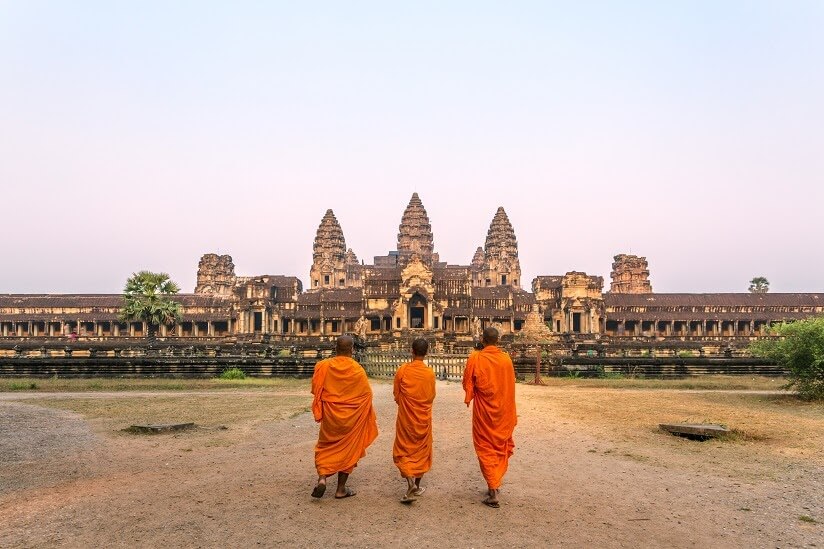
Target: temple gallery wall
[410, 290]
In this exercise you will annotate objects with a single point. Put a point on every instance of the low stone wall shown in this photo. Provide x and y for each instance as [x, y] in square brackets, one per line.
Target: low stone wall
[193, 358]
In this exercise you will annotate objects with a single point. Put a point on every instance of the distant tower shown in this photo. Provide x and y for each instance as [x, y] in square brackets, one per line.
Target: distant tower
[415, 234]
[501, 265]
[477, 267]
[330, 257]
[630, 275]
[215, 275]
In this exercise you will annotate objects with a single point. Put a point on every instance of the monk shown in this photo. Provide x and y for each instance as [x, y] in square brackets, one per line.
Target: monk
[489, 381]
[414, 392]
[343, 407]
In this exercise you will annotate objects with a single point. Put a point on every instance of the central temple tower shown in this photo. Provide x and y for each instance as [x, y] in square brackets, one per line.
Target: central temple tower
[501, 266]
[415, 234]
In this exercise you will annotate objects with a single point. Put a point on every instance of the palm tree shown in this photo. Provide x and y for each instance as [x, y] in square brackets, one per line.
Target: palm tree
[147, 298]
[759, 285]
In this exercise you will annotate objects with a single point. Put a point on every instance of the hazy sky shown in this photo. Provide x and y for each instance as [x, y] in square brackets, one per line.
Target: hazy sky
[140, 135]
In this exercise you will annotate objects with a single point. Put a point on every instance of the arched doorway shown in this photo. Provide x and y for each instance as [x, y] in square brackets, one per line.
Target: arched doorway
[417, 312]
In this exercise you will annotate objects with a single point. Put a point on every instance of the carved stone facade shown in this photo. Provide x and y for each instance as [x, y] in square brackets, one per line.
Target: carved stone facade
[630, 275]
[572, 303]
[215, 275]
[410, 291]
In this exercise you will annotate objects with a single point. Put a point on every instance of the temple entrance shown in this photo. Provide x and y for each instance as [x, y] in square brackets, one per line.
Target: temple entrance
[417, 312]
[576, 322]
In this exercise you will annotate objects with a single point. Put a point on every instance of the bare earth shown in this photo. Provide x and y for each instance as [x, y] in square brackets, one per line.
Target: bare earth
[590, 469]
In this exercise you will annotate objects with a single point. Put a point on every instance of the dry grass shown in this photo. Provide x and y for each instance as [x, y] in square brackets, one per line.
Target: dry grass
[104, 384]
[768, 430]
[709, 382]
[205, 410]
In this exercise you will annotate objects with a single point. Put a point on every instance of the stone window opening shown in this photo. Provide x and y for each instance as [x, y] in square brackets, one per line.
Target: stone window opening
[503, 280]
[326, 280]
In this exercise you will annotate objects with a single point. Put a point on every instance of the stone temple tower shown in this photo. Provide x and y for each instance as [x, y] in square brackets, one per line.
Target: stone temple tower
[415, 234]
[477, 267]
[630, 275]
[501, 265]
[330, 257]
[215, 275]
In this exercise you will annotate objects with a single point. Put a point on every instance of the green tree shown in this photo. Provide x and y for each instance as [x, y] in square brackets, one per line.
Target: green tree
[147, 298]
[759, 285]
[800, 349]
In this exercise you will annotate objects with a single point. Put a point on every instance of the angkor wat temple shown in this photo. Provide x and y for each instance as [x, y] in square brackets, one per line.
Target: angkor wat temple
[411, 291]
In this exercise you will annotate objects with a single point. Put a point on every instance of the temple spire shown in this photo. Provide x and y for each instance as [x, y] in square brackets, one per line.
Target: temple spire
[501, 264]
[415, 233]
[329, 255]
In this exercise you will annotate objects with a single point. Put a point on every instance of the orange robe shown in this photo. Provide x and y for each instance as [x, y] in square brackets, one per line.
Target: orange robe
[414, 392]
[343, 406]
[489, 381]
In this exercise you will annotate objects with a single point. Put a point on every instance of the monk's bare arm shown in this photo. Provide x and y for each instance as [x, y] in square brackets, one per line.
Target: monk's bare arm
[318, 378]
[469, 380]
[396, 387]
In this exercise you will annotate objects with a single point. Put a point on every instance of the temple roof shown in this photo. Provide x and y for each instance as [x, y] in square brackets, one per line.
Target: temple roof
[707, 300]
[105, 301]
[331, 296]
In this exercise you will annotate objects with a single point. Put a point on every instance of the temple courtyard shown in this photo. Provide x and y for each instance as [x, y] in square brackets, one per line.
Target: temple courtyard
[591, 468]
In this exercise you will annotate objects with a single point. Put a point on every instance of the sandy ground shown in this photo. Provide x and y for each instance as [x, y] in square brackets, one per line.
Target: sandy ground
[69, 481]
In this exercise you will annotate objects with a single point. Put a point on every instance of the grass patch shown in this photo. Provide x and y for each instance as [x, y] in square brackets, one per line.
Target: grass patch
[808, 519]
[22, 386]
[233, 373]
[101, 384]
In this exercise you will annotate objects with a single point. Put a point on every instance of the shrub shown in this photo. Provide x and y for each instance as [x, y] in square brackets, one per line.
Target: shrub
[22, 386]
[800, 349]
[232, 373]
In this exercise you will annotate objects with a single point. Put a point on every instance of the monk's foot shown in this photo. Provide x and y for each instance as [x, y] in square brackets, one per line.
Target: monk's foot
[347, 493]
[409, 497]
[320, 488]
[489, 501]
[419, 490]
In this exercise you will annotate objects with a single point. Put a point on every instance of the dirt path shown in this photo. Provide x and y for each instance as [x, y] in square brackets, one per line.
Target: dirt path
[250, 486]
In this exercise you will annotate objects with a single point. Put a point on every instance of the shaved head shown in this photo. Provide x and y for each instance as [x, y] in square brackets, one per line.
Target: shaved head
[490, 336]
[345, 345]
[420, 347]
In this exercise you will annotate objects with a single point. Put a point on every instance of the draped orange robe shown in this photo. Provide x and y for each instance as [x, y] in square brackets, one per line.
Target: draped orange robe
[343, 406]
[489, 382]
[414, 392]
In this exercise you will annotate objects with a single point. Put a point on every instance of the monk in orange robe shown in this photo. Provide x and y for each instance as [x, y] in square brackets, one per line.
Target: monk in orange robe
[343, 407]
[489, 381]
[414, 392]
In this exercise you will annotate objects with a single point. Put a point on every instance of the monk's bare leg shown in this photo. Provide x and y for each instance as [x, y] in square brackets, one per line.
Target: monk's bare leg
[320, 487]
[343, 491]
[418, 489]
[410, 489]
